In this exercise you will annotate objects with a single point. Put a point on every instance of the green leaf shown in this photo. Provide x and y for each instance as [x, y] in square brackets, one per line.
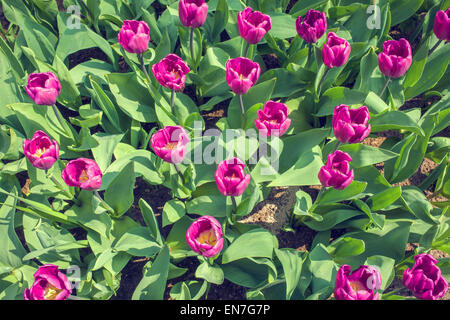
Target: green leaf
[336, 96]
[351, 191]
[386, 267]
[173, 211]
[211, 273]
[137, 242]
[291, 261]
[416, 203]
[150, 220]
[363, 155]
[105, 104]
[346, 247]
[153, 283]
[394, 120]
[385, 198]
[254, 243]
[119, 194]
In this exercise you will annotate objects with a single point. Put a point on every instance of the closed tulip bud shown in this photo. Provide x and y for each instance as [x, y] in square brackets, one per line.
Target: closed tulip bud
[41, 150]
[359, 285]
[336, 51]
[337, 173]
[170, 143]
[441, 26]
[82, 173]
[230, 177]
[171, 72]
[253, 25]
[425, 278]
[134, 36]
[273, 120]
[242, 74]
[192, 13]
[396, 58]
[44, 88]
[350, 125]
[49, 284]
[204, 236]
[312, 27]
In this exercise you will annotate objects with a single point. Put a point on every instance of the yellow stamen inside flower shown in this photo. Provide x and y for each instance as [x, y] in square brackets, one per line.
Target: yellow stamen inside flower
[51, 292]
[84, 176]
[207, 237]
[40, 152]
[357, 286]
[171, 145]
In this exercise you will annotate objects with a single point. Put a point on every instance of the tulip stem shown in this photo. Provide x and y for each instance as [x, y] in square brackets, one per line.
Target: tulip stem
[60, 120]
[319, 87]
[435, 47]
[172, 101]
[107, 206]
[241, 102]
[308, 62]
[247, 49]
[179, 172]
[191, 45]
[141, 59]
[385, 86]
[60, 187]
[338, 144]
[233, 201]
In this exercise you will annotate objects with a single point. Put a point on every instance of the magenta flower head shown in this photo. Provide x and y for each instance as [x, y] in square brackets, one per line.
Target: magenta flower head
[312, 27]
[242, 74]
[204, 236]
[360, 285]
[83, 173]
[253, 25]
[273, 120]
[231, 178]
[171, 72]
[425, 278]
[170, 143]
[134, 36]
[336, 51]
[441, 26]
[44, 88]
[49, 284]
[396, 58]
[192, 12]
[337, 173]
[41, 150]
[350, 125]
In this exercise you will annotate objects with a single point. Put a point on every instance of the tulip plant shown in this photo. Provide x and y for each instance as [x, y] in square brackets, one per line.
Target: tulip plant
[146, 131]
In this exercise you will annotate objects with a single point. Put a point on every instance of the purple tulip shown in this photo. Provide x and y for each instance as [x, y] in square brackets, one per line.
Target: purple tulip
[242, 74]
[134, 36]
[204, 236]
[253, 25]
[171, 72]
[336, 51]
[49, 284]
[441, 26]
[44, 88]
[41, 150]
[192, 12]
[230, 177]
[350, 125]
[337, 173]
[396, 58]
[273, 120]
[170, 143]
[360, 285]
[312, 27]
[425, 278]
[83, 173]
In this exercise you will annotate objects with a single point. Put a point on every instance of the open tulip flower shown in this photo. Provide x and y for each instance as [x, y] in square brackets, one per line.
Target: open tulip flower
[273, 120]
[49, 284]
[253, 25]
[43, 88]
[242, 74]
[359, 285]
[82, 173]
[425, 278]
[336, 51]
[441, 26]
[337, 172]
[231, 178]
[41, 150]
[170, 143]
[192, 13]
[312, 27]
[350, 125]
[171, 72]
[396, 58]
[134, 36]
[204, 236]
